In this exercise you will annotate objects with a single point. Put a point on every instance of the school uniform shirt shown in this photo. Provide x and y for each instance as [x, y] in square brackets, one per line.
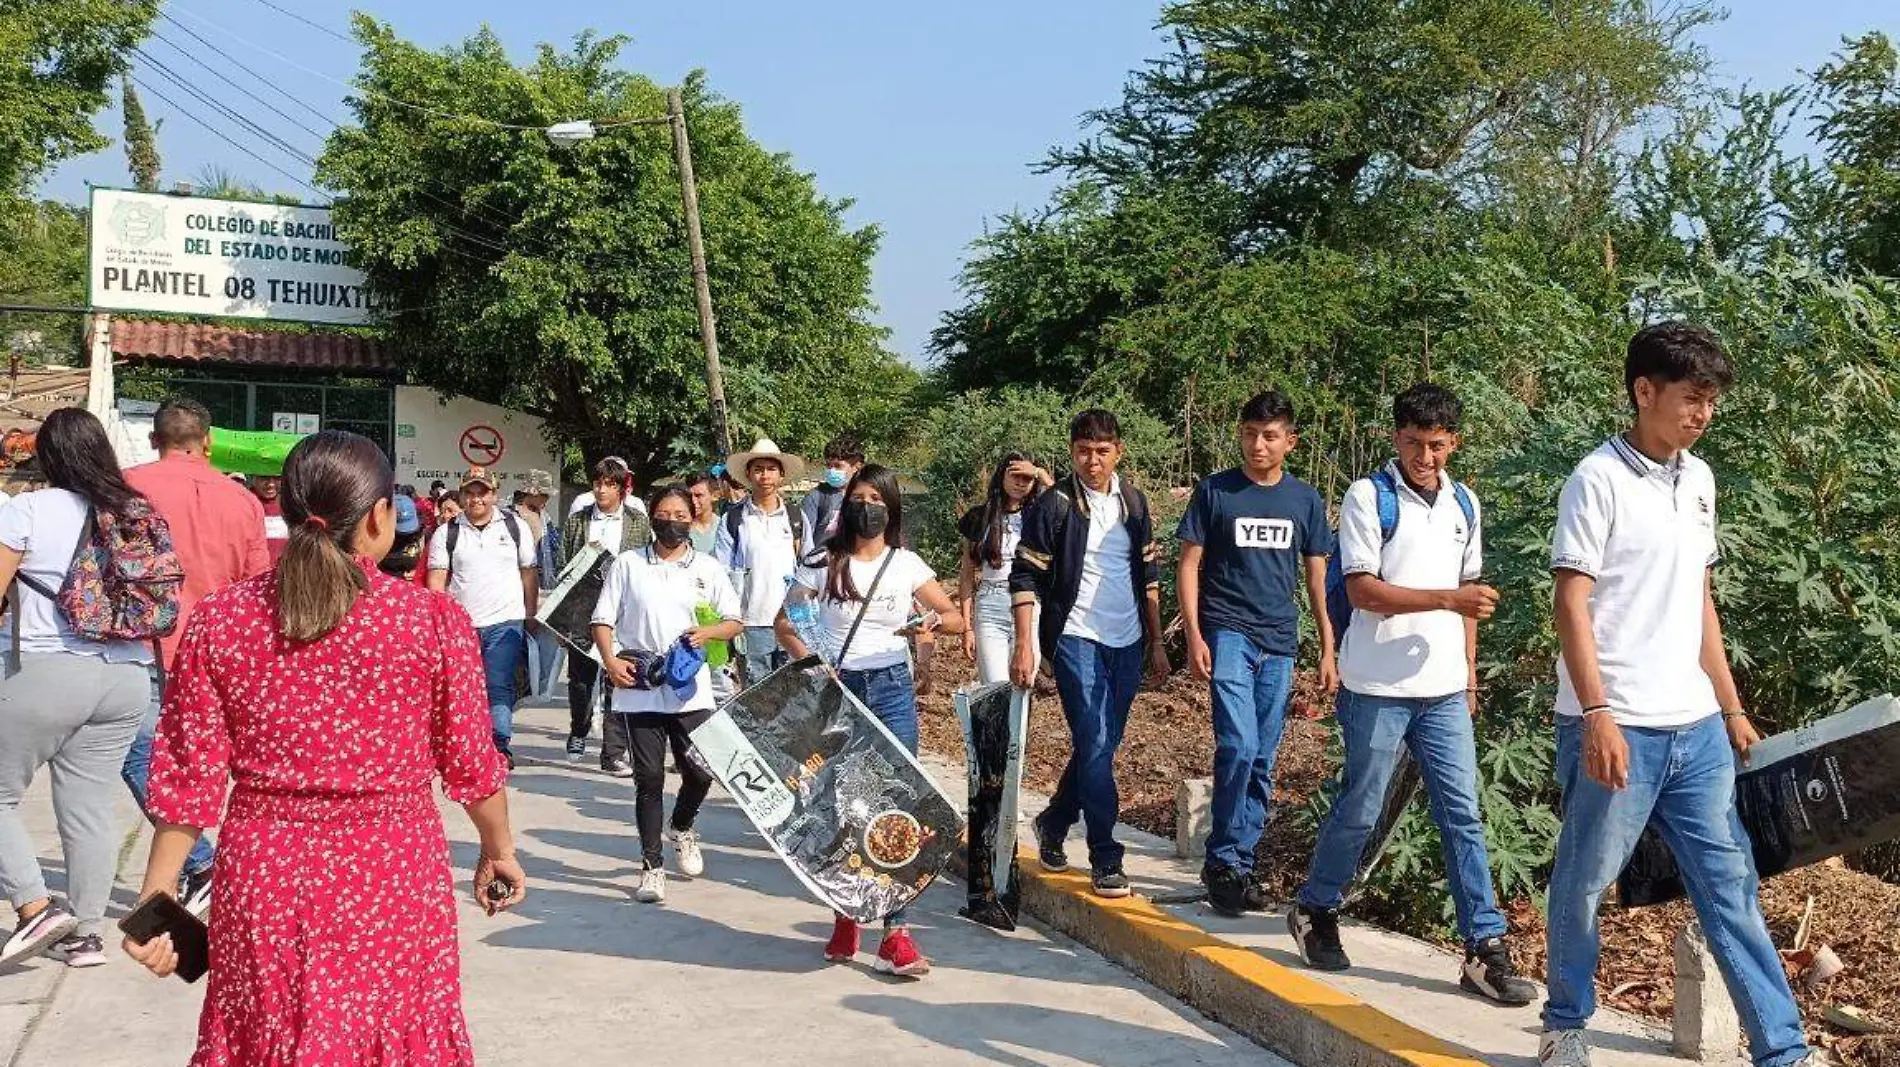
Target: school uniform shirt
[877, 644]
[276, 531]
[764, 555]
[977, 542]
[486, 578]
[1255, 540]
[1646, 532]
[45, 526]
[650, 602]
[1105, 609]
[604, 530]
[1419, 655]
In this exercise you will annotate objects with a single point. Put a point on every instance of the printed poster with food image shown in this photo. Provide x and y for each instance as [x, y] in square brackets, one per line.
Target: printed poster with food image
[841, 801]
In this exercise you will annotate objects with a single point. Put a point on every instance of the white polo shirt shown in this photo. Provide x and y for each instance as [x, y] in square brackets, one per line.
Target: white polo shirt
[486, 578]
[764, 556]
[1419, 655]
[650, 602]
[1646, 532]
[1105, 610]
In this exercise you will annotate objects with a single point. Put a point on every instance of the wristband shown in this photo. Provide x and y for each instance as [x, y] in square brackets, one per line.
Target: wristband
[1593, 710]
[1738, 713]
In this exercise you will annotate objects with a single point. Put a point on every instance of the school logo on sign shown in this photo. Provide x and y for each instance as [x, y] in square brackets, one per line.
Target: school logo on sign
[1263, 533]
[138, 224]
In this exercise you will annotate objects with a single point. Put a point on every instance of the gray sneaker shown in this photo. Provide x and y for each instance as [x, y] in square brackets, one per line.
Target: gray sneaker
[46, 928]
[1563, 1048]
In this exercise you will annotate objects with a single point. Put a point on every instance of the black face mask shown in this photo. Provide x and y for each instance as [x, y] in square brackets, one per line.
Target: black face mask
[671, 533]
[865, 520]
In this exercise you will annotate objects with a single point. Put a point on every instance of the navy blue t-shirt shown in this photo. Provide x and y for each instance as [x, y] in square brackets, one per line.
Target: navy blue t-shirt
[1254, 538]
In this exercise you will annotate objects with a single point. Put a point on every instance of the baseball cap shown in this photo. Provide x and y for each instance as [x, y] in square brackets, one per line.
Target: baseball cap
[407, 520]
[480, 476]
[537, 483]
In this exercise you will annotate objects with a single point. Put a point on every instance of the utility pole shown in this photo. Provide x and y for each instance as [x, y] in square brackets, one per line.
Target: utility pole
[708, 333]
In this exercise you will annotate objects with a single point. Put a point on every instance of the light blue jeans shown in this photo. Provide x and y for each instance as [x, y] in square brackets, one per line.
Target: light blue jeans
[1250, 692]
[1684, 782]
[760, 655]
[1438, 732]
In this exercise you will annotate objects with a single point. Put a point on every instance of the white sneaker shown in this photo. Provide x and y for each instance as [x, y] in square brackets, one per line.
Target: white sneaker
[686, 853]
[1563, 1048]
[652, 886]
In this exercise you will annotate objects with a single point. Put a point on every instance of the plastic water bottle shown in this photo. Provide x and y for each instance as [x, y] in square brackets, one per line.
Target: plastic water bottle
[801, 607]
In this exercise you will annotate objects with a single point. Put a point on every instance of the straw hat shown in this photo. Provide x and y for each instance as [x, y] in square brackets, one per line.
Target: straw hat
[737, 463]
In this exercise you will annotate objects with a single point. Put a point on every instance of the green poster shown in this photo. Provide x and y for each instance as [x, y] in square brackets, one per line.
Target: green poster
[251, 451]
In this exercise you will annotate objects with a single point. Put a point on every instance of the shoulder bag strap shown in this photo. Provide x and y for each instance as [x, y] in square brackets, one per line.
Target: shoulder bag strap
[865, 604]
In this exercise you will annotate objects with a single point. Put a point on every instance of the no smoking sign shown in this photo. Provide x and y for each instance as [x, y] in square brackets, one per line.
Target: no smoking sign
[482, 446]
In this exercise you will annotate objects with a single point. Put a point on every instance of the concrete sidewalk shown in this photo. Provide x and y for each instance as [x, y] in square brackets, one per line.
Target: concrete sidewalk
[729, 970]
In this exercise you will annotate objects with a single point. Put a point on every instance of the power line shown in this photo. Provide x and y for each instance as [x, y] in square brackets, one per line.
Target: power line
[226, 79]
[220, 135]
[338, 34]
[215, 50]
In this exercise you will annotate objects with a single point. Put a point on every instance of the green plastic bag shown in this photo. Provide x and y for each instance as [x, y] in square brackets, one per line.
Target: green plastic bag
[251, 451]
[718, 653]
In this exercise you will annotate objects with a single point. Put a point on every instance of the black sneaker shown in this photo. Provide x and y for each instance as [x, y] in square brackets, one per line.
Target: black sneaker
[617, 768]
[194, 892]
[1111, 883]
[77, 951]
[1050, 851]
[1489, 972]
[1226, 891]
[576, 749]
[1256, 898]
[1316, 932]
[33, 936]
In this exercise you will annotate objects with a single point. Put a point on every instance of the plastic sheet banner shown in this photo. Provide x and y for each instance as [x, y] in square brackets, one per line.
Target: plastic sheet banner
[995, 720]
[567, 610]
[840, 799]
[251, 451]
[1830, 787]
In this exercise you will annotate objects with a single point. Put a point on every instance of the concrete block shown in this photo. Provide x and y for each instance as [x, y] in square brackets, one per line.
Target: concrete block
[1193, 817]
[1707, 1028]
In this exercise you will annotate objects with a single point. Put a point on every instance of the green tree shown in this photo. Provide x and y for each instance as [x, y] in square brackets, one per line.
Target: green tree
[141, 140]
[1859, 132]
[556, 279]
[43, 262]
[57, 61]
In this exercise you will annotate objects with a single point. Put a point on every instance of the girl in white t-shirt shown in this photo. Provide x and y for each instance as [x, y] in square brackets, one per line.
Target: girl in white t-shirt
[649, 601]
[990, 532]
[861, 572]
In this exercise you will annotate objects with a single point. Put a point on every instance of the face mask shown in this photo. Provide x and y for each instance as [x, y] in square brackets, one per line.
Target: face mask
[866, 520]
[836, 478]
[671, 533]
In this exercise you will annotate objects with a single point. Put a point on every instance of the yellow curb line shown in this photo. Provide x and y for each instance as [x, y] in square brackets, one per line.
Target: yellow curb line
[1233, 984]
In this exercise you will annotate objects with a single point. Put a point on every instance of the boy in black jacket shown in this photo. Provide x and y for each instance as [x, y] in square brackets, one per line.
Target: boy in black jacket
[1088, 555]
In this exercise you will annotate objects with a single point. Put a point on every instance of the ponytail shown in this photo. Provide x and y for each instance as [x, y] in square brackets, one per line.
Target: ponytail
[331, 480]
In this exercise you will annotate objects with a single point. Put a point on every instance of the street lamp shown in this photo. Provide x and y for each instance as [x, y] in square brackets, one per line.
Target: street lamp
[568, 134]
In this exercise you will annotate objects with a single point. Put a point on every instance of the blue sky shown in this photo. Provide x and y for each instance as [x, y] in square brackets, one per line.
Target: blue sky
[927, 115]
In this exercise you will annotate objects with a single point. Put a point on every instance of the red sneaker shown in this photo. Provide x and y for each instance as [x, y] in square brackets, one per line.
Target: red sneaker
[898, 955]
[844, 940]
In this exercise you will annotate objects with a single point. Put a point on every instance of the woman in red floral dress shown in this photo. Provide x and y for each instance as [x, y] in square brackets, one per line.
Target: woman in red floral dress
[333, 928]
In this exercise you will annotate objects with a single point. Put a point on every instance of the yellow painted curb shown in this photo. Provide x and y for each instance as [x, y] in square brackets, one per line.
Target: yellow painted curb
[1298, 1016]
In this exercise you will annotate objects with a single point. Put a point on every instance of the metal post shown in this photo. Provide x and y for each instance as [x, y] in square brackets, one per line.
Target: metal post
[708, 334]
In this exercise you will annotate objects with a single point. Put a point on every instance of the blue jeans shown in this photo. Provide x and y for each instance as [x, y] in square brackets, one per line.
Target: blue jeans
[504, 651]
[137, 773]
[1097, 685]
[545, 661]
[890, 694]
[1250, 692]
[1682, 781]
[760, 654]
[1438, 732]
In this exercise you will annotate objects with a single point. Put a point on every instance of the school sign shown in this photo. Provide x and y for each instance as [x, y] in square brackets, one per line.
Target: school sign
[194, 255]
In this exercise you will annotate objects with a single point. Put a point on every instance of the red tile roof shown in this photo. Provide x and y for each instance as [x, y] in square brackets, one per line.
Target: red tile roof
[201, 343]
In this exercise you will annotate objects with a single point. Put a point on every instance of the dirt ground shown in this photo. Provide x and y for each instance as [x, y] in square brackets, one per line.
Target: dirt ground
[1169, 739]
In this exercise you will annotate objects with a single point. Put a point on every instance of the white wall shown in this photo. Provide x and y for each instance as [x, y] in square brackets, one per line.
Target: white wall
[429, 435]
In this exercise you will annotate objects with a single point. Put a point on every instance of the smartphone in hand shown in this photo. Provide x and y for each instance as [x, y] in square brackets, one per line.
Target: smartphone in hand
[160, 914]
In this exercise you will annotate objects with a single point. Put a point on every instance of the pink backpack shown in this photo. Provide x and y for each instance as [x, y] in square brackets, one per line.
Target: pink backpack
[123, 582]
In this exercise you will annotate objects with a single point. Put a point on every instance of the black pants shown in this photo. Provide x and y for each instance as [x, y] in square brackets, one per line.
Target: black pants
[582, 673]
[648, 734]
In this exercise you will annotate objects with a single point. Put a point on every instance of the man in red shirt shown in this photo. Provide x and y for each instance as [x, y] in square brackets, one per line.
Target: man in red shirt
[276, 535]
[218, 531]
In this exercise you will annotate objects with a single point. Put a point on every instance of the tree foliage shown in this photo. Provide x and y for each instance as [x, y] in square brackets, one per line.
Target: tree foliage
[141, 140]
[557, 279]
[57, 61]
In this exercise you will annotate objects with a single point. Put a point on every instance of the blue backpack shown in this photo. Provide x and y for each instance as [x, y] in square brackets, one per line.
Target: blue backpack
[1385, 492]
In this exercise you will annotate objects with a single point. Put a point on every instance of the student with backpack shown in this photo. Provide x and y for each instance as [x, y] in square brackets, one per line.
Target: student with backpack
[762, 542]
[1410, 556]
[1087, 559]
[487, 561]
[1250, 537]
[93, 583]
[611, 523]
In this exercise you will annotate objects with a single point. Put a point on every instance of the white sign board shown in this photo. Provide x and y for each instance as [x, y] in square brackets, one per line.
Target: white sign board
[199, 256]
[438, 441]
